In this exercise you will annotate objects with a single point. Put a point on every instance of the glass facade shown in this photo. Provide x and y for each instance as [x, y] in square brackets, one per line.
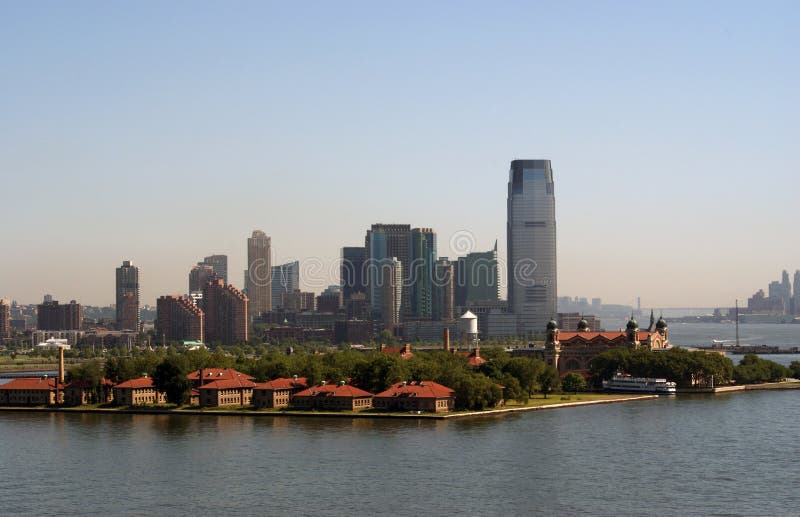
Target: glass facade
[531, 232]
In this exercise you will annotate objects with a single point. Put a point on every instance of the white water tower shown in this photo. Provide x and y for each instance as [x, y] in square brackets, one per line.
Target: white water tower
[468, 328]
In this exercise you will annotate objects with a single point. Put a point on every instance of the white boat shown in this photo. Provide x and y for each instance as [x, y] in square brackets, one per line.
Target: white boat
[626, 384]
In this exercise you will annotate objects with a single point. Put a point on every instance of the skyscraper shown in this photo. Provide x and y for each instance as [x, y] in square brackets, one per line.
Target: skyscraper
[199, 276]
[285, 279]
[443, 290]
[391, 287]
[220, 265]
[477, 277]
[386, 244]
[796, 292]
[420, 276]
[178, 319]
[128, 312]
[259, 273]
[5, 319]
[225, 319]
[353, 277]
[531, 235]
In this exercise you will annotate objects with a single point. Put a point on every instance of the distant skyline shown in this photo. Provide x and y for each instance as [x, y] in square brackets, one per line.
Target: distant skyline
[163, 133]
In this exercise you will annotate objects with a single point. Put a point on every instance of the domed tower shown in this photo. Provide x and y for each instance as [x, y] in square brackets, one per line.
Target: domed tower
[552, 347]
[661, 327]
[583, 326]
[632, 329]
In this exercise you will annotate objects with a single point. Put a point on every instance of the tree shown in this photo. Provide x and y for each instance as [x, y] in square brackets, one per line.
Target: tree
[573, 382]
[794, 368]
[91, 373]
[170, 378]
[549, 380]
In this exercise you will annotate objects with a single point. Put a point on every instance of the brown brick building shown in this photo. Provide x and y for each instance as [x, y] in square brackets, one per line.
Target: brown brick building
[178, 319]
[53, 316]
[78, 393]
[277, 393]
[227, 392]
[5, 319]
[333, 397]
[28, 391]
[225, 313]
[416, 396]
[138, 392]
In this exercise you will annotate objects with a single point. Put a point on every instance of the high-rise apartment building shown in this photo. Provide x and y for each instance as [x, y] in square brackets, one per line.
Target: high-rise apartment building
[285, 279]
[259, 274]
[443, 290]
[128, 311]
[391, 287]
[5, 319]
[796, 293]
[531, 233]
[53, 316]
[477, 277]
[297, 301]
[386, 244]
[420, 277]
[353, 276]
[220, 265]
[330, 300]
[199, 276]
[178, 319]
[225, 319]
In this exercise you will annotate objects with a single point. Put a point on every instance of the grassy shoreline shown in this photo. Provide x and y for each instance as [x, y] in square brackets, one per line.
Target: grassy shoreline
[553, 402]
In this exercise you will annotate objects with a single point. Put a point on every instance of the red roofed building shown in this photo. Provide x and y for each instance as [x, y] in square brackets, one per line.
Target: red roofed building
[403, 351]
[327, 396]
[78, 393]
[416, 396]
[138, 392]
[206, 375]
[28, 391]
[574, 351]
[277, 392]
[227, 392]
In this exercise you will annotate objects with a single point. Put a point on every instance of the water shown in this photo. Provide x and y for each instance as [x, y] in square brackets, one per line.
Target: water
[702, 334]
[723, 454]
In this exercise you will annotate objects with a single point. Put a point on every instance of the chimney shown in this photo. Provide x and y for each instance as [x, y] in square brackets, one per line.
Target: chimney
[407, 349]
[201, 376]
[61, 365]
[446, 339]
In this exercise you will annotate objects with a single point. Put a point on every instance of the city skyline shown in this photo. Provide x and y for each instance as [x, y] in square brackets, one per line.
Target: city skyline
[656, 122]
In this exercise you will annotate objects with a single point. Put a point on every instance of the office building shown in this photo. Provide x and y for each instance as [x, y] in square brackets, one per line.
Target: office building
[477, 277]
[353, 277]
[225, 320]
[199, 277]
[220, 265]
[5, 319]
[297, 301]
[796, 297]
[128, 308]
[330, 300]
[259, 273]
[420, 276]
[285, 279]
[531, 232]
[391, 291]
[178, 319]
[385, 244]
[54, 316]
[443, 308]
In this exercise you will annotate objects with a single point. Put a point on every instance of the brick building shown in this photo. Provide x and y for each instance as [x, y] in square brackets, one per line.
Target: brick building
[277, 393]
[138, 392]
[236, 392]
[5, 319]
[53, 316]
[28, 391]
[225, 318]
[178, 319]
[426, 396]
[78, 393]
[333, 397]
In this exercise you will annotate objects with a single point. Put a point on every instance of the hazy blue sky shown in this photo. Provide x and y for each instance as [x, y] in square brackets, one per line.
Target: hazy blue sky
[161, 132]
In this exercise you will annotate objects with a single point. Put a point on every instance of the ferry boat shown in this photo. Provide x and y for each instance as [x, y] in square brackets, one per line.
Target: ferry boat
[626, 384]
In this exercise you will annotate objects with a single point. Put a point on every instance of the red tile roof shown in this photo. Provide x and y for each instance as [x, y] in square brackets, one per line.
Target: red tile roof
[333, 390]
[225, 384]
[141, 382]
[30, 383]
[403, 351]
[283, 383]
[423, 389]
[215, 374]
[605, 337]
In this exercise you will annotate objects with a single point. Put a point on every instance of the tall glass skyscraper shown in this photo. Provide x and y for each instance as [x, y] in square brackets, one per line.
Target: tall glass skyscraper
[420, 275]
[531, 245]
[259, 274]
[285, 279]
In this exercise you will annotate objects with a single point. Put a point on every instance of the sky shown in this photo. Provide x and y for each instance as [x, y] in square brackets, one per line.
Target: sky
[161, 132]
